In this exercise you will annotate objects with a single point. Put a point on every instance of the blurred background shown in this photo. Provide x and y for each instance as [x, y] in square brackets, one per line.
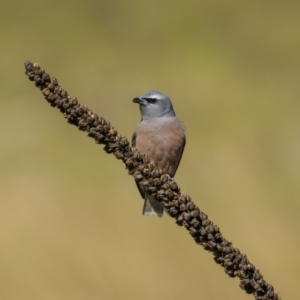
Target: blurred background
[70, 217]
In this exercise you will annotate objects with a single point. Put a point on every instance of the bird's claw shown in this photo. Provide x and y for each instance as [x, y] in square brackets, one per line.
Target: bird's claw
[169, 177]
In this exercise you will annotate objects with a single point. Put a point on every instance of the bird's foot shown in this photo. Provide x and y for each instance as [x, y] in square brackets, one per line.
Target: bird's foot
[170, 178]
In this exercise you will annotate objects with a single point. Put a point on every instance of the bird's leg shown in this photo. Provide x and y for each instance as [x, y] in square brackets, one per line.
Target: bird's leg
[170, 178]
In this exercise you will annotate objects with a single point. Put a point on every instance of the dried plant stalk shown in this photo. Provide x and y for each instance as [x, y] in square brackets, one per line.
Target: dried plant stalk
[167, 192]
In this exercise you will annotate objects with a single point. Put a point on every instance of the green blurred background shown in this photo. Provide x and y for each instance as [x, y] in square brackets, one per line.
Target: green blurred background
[70, 217]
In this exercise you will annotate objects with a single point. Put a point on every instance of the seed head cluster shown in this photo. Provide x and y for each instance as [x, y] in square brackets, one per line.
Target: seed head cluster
[166, 191]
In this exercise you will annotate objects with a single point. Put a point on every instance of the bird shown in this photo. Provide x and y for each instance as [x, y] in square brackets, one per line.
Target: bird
[162, 137]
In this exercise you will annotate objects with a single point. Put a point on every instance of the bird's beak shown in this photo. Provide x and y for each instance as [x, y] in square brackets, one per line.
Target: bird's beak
[140, 101]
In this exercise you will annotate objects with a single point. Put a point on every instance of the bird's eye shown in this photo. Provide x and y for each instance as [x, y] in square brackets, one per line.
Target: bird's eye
[152, 100]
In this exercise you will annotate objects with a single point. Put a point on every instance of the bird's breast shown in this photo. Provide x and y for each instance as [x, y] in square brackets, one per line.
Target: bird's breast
[163, 143]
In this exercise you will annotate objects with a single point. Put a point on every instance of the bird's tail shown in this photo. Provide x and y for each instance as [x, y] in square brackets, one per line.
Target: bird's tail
[152, 207]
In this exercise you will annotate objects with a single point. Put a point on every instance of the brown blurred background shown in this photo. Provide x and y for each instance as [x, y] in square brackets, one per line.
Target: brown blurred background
[70, 217]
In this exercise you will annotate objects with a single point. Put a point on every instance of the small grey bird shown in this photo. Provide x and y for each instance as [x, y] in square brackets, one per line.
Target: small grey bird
[160, 135]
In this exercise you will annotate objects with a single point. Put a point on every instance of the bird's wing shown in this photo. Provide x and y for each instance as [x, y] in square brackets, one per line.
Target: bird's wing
[180, 156]
[133, 139]
[142, 191]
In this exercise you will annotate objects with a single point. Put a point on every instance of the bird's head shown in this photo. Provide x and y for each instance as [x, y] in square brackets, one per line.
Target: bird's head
[154, 104]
